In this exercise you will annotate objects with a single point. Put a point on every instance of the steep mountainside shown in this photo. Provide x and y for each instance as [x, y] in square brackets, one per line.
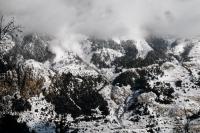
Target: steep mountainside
[150, 85]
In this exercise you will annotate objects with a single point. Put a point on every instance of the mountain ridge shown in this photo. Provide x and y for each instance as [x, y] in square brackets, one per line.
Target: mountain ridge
[113, 87]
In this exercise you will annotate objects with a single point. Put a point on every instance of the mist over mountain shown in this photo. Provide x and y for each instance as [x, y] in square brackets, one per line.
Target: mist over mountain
[108, 19]
[71, 22]
[99, 66]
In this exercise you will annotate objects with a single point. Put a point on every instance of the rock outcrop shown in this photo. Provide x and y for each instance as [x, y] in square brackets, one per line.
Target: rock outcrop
[113, 87]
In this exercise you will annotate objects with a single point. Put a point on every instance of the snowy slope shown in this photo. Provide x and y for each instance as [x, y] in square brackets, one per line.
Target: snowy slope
[124, 86]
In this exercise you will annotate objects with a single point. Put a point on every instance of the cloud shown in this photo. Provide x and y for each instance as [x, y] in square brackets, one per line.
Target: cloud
[106, 18]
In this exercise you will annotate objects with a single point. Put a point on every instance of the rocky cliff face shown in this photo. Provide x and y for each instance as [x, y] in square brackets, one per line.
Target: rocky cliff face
[150, 85]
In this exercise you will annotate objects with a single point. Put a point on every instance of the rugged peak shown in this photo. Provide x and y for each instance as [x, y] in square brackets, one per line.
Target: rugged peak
[135, 85]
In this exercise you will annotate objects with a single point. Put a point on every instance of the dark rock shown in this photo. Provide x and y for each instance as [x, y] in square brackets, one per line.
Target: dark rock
[20, 105]
[9, 124]
[178, 83]
[77, 98]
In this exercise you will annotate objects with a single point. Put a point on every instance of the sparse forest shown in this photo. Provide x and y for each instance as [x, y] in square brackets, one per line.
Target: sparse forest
[8, 27]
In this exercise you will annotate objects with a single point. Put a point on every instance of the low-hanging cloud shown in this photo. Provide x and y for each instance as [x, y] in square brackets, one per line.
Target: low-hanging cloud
[105, 18]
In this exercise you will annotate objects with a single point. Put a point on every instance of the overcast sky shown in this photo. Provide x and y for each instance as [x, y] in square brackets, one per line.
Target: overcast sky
[106, 18]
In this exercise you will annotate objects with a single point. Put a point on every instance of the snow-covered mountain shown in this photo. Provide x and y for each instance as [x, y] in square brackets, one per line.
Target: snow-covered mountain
[150, 85]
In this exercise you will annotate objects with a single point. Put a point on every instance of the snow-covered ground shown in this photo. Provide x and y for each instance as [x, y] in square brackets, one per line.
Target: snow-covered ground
[129, 109]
